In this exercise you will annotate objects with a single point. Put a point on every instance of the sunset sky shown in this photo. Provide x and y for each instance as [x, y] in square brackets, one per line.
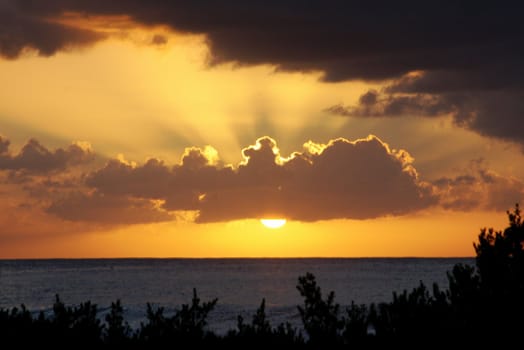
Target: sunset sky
[170, 128]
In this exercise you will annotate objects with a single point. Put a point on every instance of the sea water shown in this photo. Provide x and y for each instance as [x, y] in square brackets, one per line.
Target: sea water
[239, 284]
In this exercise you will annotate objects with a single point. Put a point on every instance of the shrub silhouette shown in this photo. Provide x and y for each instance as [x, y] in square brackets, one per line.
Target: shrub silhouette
[412, 317]
[259, 327]
[191, 320]
[187, 324]
[463, 295]
[320, 317]
[15, 324]
[76, 324]
[356, 324]
[117, 331]
[260, 334]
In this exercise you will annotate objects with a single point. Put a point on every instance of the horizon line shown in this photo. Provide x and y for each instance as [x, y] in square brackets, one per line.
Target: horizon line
[242, 258]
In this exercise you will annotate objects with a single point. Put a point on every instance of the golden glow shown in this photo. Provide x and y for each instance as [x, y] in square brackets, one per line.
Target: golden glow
[273, 223]
[157, 100]
[384, 237]
[213, 106]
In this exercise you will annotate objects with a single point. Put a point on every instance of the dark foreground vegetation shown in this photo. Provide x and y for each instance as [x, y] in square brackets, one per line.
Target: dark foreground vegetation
[482, 305]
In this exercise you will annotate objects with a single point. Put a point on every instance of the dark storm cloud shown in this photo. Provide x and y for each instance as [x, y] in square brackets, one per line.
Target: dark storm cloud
[344, 39]
[34, 158]
[361, 179]
[492, 113]
[470, 52]
[490, 103]
[19, 32]
[375, 104]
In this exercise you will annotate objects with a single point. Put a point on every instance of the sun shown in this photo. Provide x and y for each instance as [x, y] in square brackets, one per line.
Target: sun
[273, 223]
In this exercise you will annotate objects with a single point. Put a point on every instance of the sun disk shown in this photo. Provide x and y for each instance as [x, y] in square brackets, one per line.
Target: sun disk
[273, 223]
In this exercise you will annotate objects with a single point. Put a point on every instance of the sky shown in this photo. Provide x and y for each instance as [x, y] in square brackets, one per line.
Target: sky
[170, 129]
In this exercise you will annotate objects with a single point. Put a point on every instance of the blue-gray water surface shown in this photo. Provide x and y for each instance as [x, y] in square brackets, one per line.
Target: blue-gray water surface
[239, 284]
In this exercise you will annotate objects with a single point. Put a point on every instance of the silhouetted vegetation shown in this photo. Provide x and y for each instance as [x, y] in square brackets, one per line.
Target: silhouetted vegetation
[260, 334]
[482, 303]
[320, 317]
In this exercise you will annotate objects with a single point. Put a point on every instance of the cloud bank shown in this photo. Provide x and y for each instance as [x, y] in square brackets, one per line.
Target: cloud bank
[341, 179]
[346, 40]
[359, 179]
[467, 54]
[35, 158]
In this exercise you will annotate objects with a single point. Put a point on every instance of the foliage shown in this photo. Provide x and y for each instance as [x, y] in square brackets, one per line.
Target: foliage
[117, 331]
[320, 317]
[500, 264]
[191, 320]
[261, 334]
[186, 325]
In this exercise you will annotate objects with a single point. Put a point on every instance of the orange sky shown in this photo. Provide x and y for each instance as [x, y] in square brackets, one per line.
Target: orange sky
[130, 143]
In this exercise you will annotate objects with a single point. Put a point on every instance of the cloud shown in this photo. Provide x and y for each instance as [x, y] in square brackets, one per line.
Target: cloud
[491, 103]
[494, 113]
[346, 40]
[22, 220]
[110, 210]
[342, 179]
[469, 53]
[159, 39]
[4, 145]
[479, 188]
[20, 32]
[34, 158]
[376, 104]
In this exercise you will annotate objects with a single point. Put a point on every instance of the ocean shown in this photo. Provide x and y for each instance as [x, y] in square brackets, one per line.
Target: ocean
[239, 284]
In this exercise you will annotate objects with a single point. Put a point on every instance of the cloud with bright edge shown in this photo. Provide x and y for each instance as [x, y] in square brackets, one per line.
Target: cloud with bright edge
[340, 179]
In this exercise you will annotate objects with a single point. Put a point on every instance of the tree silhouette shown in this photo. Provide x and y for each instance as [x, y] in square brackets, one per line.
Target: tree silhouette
[118, 331]
[500, 258]
[485, 299]
[186, 325]
[261, 335]
[320, 317]
[356, 324]
[500, 264]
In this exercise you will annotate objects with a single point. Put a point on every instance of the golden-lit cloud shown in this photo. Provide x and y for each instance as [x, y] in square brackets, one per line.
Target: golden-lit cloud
[341, 179]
